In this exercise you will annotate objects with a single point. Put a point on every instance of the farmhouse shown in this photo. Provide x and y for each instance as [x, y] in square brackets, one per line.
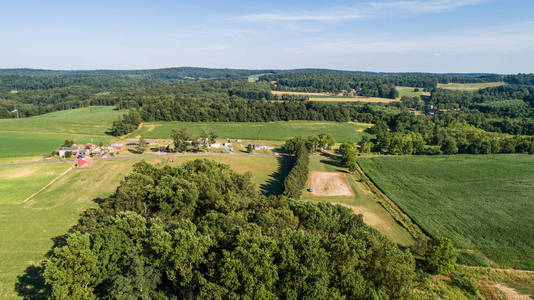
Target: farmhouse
[72, 150]
[215, 145]
[260, 146]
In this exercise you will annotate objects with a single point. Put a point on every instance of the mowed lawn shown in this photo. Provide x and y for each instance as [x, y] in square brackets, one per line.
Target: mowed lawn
[469, 86]
[27, 228]
[361, 202]
[40, 135]
[484, 203]
[281, 130]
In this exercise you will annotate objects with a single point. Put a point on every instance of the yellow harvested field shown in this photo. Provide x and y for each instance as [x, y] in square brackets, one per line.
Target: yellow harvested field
[299, 93]
[355, 99]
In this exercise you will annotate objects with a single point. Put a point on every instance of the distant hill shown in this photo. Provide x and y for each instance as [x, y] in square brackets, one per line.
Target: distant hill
[188, 73]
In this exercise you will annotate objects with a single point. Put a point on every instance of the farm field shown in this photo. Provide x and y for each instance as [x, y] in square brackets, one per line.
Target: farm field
[333, 97]
[27, 228]
[300, 93]
[278, 131]
[41, 134]
[408, 91]
[483, 203]
[469, 86]
[361, 202]
[353, 99]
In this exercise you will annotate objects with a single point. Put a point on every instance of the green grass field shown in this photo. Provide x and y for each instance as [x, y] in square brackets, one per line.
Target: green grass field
[469, 86]
[361, 202]
[27, 229]
[256, 131]
[408, 91]
[40, 135]
[484, 203]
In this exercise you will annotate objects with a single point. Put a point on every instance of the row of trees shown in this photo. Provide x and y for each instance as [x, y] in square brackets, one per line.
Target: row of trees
[297, 178]
[126, 123]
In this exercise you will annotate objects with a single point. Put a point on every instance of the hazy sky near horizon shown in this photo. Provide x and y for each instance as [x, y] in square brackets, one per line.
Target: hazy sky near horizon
[494, 36]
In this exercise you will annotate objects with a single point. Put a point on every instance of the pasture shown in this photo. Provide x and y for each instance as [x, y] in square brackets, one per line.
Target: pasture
[27, 227]
[469, 86]
[409, 91]
[362, 201]
[278, 131]
[483, 202]
[352, 99]
[39, 135]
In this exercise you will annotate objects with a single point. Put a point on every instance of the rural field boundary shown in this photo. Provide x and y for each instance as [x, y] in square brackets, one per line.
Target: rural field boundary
[396, 212]
[27, 200]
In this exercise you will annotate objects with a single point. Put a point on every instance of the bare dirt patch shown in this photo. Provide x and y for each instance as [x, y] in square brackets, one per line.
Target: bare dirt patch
[495, 290]
[329, 184]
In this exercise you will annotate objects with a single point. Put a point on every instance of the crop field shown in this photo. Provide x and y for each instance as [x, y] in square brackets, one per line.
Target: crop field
[300, 93]
[27, 225]
[483, 203]
[281, 130]
[353, 99]
[361, 202]
[409, 91]
[469, 86]
[40, 135]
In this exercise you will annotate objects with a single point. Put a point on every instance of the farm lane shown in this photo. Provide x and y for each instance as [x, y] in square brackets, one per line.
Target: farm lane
[154, 156]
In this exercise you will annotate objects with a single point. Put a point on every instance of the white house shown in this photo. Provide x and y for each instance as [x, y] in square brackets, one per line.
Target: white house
[215, 145]
[260, 146]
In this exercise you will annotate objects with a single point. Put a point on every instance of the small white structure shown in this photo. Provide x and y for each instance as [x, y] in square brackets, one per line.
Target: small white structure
[227, 144]
[260, 147]
[215, 145]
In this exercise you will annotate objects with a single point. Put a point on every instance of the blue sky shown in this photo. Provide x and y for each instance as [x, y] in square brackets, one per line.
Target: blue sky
[372, 35]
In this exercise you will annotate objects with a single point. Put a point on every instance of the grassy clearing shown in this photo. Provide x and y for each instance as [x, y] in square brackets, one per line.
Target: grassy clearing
[90, 121]
[27, 229]
[354, 99]
[22, 144]
[256, 131]
[469, 86]
[299, 93]
[408, 91]
[362, 202]
[483, 203]
[39, 135]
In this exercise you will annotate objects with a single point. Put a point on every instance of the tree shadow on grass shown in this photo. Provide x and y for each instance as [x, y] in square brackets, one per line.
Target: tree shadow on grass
[275, 183]
[31, 284]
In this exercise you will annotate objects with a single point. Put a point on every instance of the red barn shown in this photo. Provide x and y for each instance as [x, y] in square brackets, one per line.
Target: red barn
[118, 147]
[86, 161]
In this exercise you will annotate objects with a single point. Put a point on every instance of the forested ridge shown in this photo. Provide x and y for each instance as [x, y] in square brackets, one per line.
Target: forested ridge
[448, 119]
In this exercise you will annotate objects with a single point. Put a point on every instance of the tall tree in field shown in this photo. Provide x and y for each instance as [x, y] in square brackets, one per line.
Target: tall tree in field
[141, 147]
[180, 139]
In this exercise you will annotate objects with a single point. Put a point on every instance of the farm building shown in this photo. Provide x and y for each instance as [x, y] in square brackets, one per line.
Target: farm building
[82, 153]
[118, 147]
[86, 161]
[132, 143]
[72, 150]
[215, 145]
[260, 146]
